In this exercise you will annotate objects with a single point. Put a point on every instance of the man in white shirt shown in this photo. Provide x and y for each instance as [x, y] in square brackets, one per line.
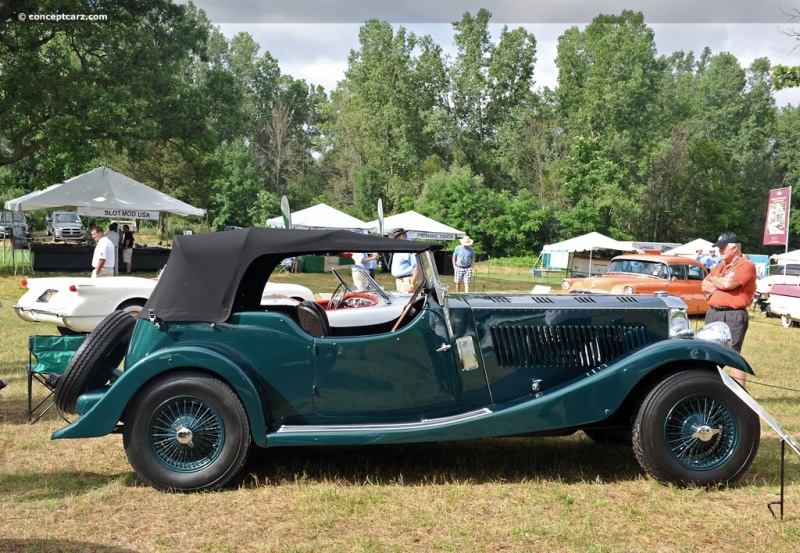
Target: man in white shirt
[103, 258]
[113, 235]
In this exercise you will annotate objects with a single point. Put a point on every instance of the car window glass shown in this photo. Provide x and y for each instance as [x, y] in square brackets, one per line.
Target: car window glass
[678, 272]
[695, 273]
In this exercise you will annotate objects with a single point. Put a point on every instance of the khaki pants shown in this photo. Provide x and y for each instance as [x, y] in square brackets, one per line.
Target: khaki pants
[404, 285]
[104, 272]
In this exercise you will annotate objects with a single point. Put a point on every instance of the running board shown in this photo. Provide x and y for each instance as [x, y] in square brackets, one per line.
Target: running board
[404, 426]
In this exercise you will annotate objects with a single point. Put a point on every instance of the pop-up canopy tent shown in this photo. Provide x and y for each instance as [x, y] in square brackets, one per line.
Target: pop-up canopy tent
[586, 242]
[690, 248]
[323, 217]
[419, 226]
[103, 192]
[787, 258]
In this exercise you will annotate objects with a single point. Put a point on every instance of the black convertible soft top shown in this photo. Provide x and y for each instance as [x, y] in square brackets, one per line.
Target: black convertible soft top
[210, 276]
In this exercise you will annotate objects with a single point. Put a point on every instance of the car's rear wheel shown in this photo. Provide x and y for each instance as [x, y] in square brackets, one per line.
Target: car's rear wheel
[787, 321]
[692, 430]
[186, 432]
[132, 307]
[96, 360]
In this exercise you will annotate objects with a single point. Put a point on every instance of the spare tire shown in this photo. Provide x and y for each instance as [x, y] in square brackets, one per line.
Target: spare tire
[96, 359]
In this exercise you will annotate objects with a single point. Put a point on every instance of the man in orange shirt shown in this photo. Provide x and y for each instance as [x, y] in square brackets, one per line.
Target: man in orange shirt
[729, 289]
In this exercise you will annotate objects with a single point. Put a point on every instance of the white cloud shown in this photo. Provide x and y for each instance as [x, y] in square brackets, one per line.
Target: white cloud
[318, 52]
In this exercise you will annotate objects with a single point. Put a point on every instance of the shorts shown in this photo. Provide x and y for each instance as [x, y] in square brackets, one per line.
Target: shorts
[737, 320]
[127, 255]
[462, 274]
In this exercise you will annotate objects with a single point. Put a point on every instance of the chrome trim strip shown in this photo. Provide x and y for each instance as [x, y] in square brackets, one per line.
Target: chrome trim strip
[425, 423]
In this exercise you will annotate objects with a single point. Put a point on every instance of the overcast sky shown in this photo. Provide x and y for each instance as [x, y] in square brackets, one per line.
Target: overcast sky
[311, 39]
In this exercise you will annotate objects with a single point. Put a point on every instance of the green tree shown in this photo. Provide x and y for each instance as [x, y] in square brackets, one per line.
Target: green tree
[380, 113]
[118, 80]
[490, 83]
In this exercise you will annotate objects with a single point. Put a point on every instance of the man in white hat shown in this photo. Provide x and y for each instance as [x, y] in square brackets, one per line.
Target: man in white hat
[463, 262]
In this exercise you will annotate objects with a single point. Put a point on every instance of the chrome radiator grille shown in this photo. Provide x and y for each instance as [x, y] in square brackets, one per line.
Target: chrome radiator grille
[565, 346]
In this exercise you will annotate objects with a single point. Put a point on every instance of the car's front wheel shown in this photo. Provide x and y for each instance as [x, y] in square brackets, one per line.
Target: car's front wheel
[186, 432]
[692, 430]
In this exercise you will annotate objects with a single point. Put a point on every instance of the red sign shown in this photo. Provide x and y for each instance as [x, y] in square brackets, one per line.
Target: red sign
[776, 227]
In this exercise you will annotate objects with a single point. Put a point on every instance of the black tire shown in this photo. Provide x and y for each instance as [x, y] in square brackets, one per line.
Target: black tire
[182, 406]
[692, 430]
[96, 359]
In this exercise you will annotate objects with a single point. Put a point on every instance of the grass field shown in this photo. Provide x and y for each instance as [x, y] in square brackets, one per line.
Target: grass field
[515, 494]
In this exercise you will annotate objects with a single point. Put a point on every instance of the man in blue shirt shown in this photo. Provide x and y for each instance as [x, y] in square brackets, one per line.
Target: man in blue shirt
[712, 260]
[360, 261]
[463, 262]
[404, 265]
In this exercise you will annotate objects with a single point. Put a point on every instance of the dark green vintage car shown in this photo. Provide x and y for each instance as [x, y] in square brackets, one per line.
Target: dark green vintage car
[210, 368]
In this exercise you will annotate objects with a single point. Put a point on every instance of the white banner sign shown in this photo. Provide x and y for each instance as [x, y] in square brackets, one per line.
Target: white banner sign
[431, 235]
[119, 213]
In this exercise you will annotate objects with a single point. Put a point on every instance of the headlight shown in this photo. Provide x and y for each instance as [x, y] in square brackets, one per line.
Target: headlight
[715, 332]
[679, 326]
[565, 285]
[628, 290]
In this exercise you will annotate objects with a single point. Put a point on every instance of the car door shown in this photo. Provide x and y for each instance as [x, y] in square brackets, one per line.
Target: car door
[686, 283]
[390, 376]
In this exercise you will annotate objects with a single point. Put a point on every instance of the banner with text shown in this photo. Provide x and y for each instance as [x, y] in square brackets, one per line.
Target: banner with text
[776, 227]
[119, 213]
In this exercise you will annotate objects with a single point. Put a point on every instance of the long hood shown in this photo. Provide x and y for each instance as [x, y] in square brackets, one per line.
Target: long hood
[609, 283]
[561, 301]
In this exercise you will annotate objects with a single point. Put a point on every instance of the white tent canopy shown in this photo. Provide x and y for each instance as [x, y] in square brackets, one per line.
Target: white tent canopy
[587, 242]
[323, 217]
[690, 248]
[103, 192]
[787, 258]
[419, 226]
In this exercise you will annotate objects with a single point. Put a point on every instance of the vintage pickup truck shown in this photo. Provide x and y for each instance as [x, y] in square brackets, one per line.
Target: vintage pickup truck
[784, 300]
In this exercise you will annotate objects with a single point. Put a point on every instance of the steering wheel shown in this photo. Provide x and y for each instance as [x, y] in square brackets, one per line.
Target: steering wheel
[338, 296]
[402, 316]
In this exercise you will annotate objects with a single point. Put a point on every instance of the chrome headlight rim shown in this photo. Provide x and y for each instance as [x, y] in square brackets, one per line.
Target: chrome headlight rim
[679, 325]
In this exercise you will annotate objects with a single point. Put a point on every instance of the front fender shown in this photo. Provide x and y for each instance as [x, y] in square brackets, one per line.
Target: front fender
[102, 417]
[683, 350]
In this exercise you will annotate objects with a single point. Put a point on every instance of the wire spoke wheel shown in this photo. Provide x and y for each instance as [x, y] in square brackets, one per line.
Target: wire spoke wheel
[186, 431]
[701, 432]
[691, 429]
[186, 434]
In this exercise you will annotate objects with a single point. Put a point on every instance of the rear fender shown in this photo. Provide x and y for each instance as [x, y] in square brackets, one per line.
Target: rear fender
[102, 417]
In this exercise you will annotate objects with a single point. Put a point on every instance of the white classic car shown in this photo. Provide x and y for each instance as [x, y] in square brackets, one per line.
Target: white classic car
[78, 304]
[784, 301]
[778, 274]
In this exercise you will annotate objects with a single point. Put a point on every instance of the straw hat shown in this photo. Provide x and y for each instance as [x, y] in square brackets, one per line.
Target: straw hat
[466, 241]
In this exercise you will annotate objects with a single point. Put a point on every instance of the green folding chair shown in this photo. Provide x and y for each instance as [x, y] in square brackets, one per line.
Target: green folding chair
[48, 357]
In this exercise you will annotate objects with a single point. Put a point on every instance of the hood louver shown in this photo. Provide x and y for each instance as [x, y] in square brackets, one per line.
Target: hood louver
[588, 347]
